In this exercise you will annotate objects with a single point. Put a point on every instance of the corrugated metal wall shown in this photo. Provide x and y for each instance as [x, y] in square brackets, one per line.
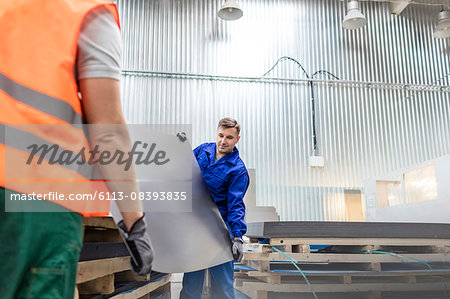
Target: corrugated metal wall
[363, 131]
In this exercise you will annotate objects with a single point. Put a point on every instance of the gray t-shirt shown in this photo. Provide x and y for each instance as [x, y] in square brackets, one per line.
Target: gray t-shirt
[99, 46]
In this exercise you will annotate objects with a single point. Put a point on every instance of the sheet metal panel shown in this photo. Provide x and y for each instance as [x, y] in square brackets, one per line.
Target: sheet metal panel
[189, 241]
[334, 229]
[183, 221]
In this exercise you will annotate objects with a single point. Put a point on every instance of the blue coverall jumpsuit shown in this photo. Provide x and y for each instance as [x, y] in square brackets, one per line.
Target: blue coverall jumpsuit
[227, 181]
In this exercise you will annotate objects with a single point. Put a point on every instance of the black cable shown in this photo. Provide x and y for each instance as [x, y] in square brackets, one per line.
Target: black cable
[313, 116]
[313, 106]
[290, 59]
[311, 86]
[325, 73]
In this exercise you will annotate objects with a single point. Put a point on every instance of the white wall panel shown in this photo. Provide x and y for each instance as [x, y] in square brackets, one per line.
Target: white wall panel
[363, 130]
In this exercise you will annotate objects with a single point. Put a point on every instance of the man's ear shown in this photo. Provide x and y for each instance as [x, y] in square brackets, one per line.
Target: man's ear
[239, 137]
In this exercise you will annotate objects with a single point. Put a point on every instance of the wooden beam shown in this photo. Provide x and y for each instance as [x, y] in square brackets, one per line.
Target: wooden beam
[131, 276]
[331, 273]
[101, 235]
[347, 279]
[375, 267]
[101, 285]
[343, 288]
[398, 7]
[145, 289]
[101, 222]
[347, 258]
[411, 279]
[90, 270]
[262, 295]
[263, 266]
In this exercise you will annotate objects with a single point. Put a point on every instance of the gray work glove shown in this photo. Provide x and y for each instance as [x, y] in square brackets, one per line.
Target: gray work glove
[139, 244]
[237, 250]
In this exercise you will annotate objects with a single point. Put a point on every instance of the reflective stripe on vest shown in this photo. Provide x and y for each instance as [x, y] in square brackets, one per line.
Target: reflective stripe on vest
[40, 101]
[37, 86]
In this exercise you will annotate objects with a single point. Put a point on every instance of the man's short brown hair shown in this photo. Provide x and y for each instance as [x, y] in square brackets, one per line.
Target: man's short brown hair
[228, 122]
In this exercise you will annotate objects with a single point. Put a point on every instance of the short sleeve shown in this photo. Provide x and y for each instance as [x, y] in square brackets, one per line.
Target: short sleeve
[99, 46]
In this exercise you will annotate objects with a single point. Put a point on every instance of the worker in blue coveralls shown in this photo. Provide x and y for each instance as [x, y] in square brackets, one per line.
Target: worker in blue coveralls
[227, 180]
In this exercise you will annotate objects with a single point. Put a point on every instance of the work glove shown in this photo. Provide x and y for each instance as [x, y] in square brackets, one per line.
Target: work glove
[237, 250]
[139, 244]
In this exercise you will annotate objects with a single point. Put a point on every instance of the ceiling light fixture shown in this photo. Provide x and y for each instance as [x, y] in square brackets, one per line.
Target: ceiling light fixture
[354, 18]
[230, 11]
[442, 29]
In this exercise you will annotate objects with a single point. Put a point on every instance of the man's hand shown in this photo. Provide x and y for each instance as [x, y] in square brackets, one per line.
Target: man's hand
[140, 245]
[237, 250]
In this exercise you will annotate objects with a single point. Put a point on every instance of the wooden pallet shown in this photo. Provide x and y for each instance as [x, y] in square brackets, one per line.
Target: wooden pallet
[100, 229]
[101, 275]
[349, 230]
[347, 277]
[374, 255]
[159, 286]
[257, 284]
[250, 287]
[91, 270]
[346, 258]
[348, 270]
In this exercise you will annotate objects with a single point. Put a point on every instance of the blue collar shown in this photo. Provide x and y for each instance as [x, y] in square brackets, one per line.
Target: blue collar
[231, 158]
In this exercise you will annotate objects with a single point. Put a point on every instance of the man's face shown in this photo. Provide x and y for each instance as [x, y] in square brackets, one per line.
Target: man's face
[226, 140]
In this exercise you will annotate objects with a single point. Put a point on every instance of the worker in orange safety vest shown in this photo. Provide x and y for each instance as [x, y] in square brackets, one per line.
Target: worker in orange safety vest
[59, 69]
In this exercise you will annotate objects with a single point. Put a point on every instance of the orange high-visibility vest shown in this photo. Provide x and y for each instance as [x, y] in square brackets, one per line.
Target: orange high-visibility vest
[39, 97]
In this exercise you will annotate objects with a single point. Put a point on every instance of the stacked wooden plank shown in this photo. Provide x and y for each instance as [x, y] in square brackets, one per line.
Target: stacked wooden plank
[386, 266]
[104, 269]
